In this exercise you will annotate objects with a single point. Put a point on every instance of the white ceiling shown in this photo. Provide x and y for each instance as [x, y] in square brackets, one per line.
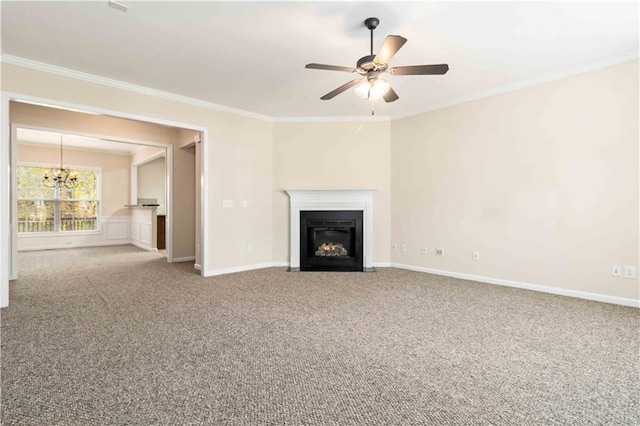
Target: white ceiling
[251, 55]
[52, 139]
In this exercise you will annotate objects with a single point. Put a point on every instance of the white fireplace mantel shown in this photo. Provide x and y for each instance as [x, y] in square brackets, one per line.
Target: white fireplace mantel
[331, 199]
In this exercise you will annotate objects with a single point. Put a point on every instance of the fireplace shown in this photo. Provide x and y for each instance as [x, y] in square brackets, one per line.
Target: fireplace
[331, 240]
[330, 200]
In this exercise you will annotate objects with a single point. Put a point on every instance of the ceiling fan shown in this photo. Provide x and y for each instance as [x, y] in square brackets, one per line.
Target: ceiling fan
[371, 67]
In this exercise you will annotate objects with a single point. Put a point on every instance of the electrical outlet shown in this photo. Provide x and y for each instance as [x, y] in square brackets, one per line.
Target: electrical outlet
[245, 203]
[616, 270]
[249, 248]
[227, 204]
[476, 255]
[630, 272]
[440, 251]
[403, 248]
[394, 246]
[424, 250]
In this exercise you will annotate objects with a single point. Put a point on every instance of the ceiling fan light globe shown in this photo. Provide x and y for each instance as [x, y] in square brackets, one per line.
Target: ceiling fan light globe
[363, 89]
[379, 87]
[373, 89]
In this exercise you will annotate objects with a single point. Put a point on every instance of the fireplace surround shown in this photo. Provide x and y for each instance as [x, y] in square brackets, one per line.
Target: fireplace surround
[360, 200]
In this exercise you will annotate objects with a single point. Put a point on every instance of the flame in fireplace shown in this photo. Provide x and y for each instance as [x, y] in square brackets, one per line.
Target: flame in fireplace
[330, 249]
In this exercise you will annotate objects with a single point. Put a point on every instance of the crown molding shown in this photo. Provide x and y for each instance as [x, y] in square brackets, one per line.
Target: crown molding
[374, 118]
[619, 59]
[66, 72]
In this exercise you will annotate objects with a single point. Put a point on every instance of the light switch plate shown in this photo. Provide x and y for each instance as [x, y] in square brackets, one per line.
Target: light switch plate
[227, 204]
[616, 270]
[630, 272]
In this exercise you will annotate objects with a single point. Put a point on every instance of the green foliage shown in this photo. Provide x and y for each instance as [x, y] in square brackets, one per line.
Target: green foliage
[38, 206]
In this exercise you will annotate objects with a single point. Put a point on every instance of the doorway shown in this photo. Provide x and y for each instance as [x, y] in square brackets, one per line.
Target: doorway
[8, 215]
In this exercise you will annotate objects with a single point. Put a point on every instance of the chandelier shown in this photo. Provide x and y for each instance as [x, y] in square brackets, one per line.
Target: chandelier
[59, 177]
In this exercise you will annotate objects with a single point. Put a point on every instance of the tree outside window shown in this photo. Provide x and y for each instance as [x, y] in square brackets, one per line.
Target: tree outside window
[42, 209]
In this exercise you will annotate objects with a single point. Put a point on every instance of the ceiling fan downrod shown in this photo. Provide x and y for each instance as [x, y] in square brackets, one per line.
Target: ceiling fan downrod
[372, 24]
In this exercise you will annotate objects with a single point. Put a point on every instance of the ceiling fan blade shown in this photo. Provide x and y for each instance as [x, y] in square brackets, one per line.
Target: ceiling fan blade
[329, 67]
[419, 70]
[390, 96]
[341, 89]
[389, 48]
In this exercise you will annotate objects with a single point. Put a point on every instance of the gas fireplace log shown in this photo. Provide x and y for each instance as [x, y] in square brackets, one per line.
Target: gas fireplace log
[330, 249]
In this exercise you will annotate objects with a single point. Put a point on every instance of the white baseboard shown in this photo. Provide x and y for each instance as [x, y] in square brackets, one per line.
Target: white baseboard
[197, 266]
[381, 265]
[527, 286]
[74, 245]
[183, 259]
[244, 268]
[143, 246]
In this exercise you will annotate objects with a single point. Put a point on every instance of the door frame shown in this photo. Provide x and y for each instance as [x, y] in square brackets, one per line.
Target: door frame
[8, 247]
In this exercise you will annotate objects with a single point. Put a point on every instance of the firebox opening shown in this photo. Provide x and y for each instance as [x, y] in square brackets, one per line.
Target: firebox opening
[331, 241]
[334, 242]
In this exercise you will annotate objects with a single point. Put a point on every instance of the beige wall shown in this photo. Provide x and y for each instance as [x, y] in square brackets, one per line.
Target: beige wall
[238, 158]
[332, 156]
[543, 182]
[114, 177]
[151, 182]
[184, 203]
[240, 168]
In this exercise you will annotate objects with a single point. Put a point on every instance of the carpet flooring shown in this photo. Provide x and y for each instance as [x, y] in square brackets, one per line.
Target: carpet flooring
[115, 335]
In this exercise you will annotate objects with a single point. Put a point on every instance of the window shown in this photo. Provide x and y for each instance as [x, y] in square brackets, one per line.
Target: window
[42, 209]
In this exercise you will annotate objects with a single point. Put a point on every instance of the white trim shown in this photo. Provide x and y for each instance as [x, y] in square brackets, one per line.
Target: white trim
[526, 286]
[245, 268]
[331, 199]
[204, 202]
[197, 266]
[382, 265]
[348, 119]
[66, 72]
[143, 247]
[91, 78]
[5, 184]
[114, 230]
[117, 229]
[13, 195]
[183, 259]
[168, 204]
[67, 246]
[629, 56]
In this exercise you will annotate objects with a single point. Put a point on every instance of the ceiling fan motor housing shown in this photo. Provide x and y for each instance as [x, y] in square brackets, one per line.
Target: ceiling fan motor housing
[366, 63]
